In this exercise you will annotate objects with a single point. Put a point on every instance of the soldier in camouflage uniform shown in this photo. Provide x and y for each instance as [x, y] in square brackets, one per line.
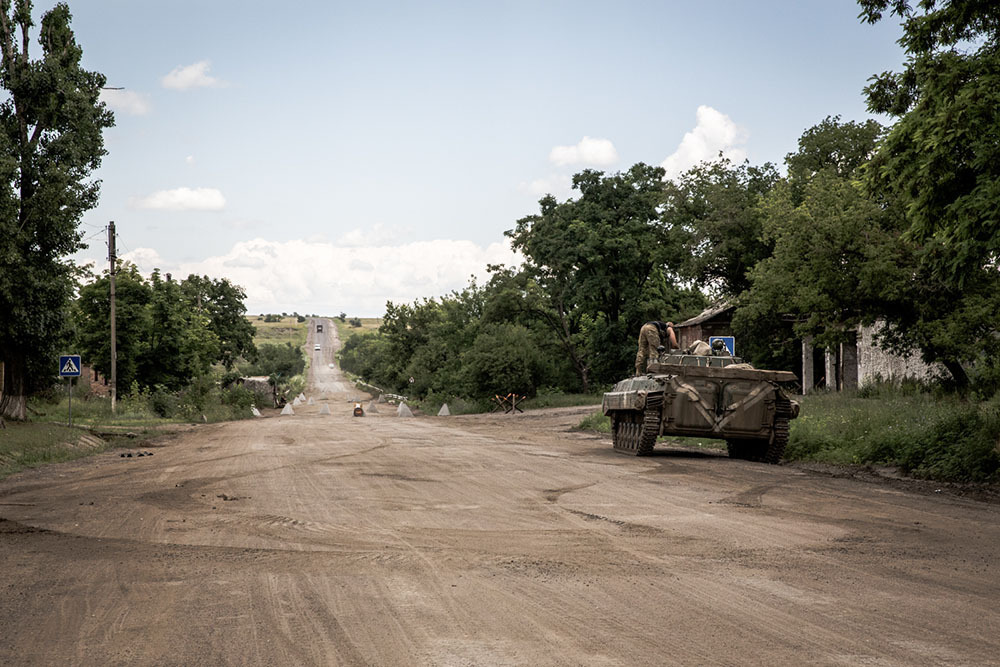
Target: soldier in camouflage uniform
[653, 336]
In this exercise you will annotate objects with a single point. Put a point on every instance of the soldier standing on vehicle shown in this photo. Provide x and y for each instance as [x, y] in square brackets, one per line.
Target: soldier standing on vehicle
[653, 337]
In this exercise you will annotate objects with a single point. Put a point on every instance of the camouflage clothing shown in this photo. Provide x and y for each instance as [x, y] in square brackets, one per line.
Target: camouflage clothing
[649, 341]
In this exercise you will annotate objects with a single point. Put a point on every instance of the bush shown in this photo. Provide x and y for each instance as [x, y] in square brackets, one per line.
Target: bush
[960, 447]
[935, 437]
[163, 402]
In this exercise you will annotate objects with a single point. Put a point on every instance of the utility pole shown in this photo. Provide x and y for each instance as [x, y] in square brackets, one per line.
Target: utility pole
[114, 341]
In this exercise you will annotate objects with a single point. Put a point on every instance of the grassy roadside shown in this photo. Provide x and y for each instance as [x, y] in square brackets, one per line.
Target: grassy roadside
[925, 435]
[31, 444]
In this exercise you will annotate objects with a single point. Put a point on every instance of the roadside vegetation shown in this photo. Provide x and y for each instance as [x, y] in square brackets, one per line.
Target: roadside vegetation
[31, 444]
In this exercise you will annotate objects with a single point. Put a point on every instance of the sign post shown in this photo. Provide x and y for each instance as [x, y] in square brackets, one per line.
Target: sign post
[69, 367]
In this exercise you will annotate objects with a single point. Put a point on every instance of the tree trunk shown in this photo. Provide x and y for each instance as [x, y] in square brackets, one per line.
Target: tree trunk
[958, 374]
[13, 402]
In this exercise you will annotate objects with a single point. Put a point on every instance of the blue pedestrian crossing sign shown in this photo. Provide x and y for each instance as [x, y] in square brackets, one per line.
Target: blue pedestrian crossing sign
[69, 366]
[728, 341]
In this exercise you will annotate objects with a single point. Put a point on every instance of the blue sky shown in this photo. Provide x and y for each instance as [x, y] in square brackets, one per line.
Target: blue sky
[331, 156]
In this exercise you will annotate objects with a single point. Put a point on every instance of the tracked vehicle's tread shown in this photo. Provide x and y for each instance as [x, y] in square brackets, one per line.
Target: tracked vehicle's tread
[779, 440]
[650, 424]
[766, 451]
[634, 432]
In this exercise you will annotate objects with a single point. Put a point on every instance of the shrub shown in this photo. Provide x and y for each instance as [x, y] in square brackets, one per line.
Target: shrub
[163, 402]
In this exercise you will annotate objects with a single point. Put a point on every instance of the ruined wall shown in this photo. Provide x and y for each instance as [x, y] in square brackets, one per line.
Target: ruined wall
[874, 363]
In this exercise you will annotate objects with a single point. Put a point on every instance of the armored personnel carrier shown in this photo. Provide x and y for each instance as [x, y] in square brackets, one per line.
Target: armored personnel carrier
[714, 396]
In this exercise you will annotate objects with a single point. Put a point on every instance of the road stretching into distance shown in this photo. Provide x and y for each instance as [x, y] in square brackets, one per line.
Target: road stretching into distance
[479, 540]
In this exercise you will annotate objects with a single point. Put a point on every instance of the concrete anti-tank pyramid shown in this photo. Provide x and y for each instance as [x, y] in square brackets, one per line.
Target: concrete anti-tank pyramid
[324, 409]
[444, 411]
[255, 411]
[404, 410]
[287, 410]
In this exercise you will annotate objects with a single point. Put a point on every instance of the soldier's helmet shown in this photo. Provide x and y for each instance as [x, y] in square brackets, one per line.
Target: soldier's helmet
[719, 348]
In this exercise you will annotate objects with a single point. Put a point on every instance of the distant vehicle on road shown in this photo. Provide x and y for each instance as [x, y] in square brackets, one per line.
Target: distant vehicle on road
[317, 347]
[319, 328]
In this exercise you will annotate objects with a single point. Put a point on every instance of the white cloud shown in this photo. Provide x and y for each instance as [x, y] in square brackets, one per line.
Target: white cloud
[600, 152]
[189, 159]
[146, 259]
[714, 132]
[328, 278]
[183, 199]
[127, 101]
[191, 76]
[376, 235]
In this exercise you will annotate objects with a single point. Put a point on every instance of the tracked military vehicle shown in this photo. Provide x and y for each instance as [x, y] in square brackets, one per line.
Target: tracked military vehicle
[714, 396]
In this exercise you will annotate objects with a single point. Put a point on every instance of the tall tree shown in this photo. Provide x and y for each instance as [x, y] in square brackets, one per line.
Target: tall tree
[716, 202]
[50, 143]
[93, 314]
[222, 302]
[941, 160]
[601, 257]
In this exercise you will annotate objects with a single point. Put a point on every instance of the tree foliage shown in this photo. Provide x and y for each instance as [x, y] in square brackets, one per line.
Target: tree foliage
[603, 263]
[51, 141]
[941, 159]
[716, 204]
[169, 333]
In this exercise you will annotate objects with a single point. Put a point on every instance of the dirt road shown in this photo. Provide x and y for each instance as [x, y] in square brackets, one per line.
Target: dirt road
[479, 540]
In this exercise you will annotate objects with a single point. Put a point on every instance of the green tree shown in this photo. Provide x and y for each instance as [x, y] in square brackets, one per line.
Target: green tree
[841, 258]
[604, 262]
[503, 358]
[941, 160]
[182, 345]
[222, 302]
[51, 141]
[93, 316]
[716, 203]
[283, 360]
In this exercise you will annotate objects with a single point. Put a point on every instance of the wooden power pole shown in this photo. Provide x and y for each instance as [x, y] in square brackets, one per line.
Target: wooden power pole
[114, 339]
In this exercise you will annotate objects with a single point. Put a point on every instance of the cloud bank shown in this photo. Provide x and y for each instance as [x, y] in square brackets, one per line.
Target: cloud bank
[191, 76]
[589, 151]
[183, 199]
[327, 278]
[127, 101]
[714, 132]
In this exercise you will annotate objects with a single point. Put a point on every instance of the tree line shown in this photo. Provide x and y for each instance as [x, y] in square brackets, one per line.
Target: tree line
[897, 225]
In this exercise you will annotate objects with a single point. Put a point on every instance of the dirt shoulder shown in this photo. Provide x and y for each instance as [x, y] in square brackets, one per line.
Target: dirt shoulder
[485, 540]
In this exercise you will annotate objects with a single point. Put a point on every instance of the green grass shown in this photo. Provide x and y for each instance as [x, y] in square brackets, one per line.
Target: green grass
[926, 435]
[288, 330]
[557, 399]
[345, 330]
[31, 444]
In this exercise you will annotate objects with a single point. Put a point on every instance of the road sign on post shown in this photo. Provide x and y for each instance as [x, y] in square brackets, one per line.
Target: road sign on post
[69, 367]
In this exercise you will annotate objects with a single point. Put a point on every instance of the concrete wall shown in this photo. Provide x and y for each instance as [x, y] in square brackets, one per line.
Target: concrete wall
[874, 363]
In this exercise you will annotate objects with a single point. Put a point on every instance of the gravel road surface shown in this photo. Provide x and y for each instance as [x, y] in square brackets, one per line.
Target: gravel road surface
[479, 540]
